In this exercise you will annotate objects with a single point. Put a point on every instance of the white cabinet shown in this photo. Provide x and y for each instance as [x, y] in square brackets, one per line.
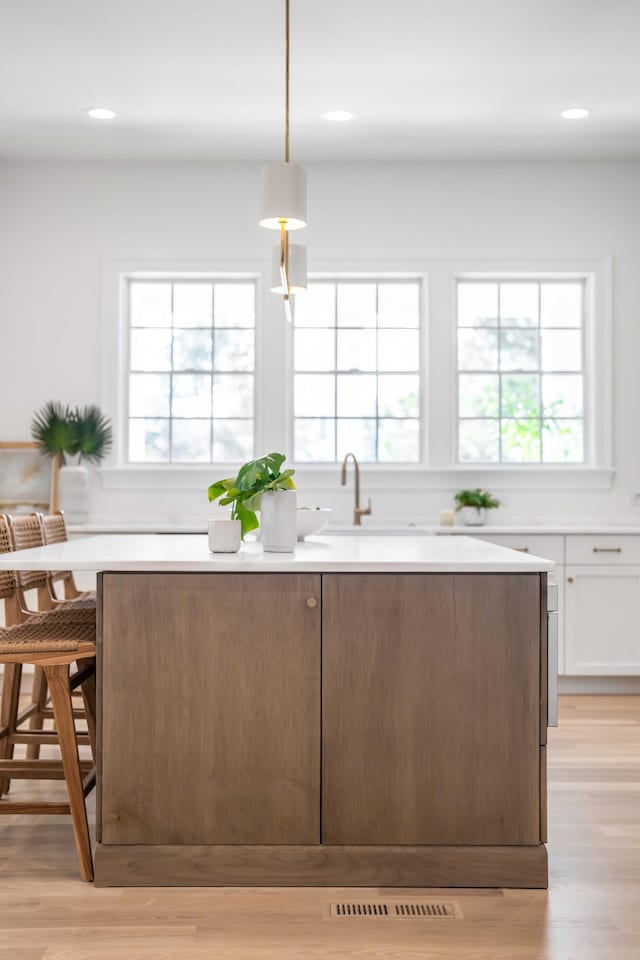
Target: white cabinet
[602, 620]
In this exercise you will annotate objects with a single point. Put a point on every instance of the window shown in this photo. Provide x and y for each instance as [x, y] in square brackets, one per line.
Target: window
[521, 376]
[510, 358]
[191, 370]
[357, 371]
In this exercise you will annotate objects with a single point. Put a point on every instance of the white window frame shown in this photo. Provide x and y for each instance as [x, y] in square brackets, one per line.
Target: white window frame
[333, 277]
[173, 279]
[585, 371]
[438, 470]
[597, 470]
[117, 472]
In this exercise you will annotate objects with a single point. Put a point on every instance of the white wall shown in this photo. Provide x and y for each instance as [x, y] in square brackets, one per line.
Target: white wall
[60, 223]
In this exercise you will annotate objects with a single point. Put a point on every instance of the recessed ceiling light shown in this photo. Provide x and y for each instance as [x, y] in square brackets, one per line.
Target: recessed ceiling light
[338, 116]
[575, 113]
[101, 113]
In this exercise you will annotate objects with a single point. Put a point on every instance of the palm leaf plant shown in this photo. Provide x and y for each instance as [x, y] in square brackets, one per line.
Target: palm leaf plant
[244, 491]
[53, 431]
[92, 434]
[82, 431]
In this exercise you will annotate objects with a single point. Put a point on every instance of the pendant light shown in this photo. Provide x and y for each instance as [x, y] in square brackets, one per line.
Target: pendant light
[284, 208]
[296, 269]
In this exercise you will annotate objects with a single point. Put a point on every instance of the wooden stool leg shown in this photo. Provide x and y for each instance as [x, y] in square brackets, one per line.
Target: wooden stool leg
[8, 714]
[58, 679]
[89, 696]
[36, 721]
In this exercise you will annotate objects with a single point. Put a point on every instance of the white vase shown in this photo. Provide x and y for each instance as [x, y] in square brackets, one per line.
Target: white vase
[278, 521]
[74, 492]
[224, 536]
[474, 516]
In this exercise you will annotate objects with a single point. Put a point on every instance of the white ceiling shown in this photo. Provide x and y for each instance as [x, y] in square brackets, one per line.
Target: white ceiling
[196, 79]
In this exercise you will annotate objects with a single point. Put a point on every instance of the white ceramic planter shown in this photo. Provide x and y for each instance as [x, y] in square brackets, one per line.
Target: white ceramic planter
[474, 516]
[278, 521]
[224, 536]
[74, 492]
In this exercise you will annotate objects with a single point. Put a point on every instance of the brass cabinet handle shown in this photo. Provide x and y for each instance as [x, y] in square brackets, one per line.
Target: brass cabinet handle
[312, 602]
[521, 549]
[569, 579]
[607, 549]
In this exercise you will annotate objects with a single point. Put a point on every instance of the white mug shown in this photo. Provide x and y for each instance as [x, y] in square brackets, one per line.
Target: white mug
[224, 536]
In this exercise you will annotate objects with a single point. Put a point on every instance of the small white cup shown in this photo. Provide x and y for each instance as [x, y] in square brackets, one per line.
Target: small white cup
[224, 536]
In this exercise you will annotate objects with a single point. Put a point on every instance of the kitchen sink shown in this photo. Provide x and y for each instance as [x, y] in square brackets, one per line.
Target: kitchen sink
[379, 530]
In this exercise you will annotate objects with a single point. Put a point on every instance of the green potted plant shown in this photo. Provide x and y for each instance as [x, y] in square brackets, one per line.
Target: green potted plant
[72, 437]
[260, 485]
[474, 504]
[52, 430]
[92, 434]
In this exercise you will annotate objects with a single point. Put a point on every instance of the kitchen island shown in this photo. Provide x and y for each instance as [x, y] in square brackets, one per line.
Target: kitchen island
[366, 711]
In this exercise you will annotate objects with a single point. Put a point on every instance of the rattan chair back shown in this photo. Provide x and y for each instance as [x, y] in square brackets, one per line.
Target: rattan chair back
[27, 532]
[55, 528]
[55, 531]
[8, 580]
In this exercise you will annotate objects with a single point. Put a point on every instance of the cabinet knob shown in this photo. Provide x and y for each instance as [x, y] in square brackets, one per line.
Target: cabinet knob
[569, 579]
[312, 602]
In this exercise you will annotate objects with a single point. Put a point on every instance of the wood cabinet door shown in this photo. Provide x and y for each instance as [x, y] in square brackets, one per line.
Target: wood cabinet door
[211, 709]
[431, 709]
[602, 609]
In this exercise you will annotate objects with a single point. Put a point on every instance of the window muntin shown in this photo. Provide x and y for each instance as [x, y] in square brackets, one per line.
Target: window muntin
[191, 370]
[521, 372]
[357, 371]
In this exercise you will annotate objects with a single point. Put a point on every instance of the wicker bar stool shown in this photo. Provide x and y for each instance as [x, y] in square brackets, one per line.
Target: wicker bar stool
[16, 613]
[27, 532]
[52, 645]
[51, 642]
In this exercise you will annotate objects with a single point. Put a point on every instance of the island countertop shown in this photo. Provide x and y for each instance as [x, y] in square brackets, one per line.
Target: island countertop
[341, 554]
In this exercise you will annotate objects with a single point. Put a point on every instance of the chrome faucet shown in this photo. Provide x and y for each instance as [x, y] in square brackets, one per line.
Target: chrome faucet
[358, 511]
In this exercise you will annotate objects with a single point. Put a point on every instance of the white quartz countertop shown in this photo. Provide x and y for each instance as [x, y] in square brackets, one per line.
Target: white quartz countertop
[178, 553]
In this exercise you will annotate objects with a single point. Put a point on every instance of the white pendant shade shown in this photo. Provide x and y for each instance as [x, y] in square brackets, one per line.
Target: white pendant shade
[297, 269]
[284, 196]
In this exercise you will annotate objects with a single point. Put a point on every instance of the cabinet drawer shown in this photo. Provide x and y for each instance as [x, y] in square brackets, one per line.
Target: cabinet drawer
[547, 547]
[603, 550]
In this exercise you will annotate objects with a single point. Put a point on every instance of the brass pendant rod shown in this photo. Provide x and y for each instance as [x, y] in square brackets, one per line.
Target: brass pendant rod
[284, 257]
[286, 264]
[284, 233]
[286, 109]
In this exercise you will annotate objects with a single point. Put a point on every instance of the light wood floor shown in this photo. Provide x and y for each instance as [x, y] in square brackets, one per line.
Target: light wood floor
[591, 911]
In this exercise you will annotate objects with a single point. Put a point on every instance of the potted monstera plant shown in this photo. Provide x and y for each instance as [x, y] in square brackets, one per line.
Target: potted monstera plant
[260, 486]
[474, 504]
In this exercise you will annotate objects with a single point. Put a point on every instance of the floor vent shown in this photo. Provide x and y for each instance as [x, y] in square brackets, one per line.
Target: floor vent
[408, 910]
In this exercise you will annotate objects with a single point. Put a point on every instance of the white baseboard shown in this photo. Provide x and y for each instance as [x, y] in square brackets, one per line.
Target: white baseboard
[621, 685]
